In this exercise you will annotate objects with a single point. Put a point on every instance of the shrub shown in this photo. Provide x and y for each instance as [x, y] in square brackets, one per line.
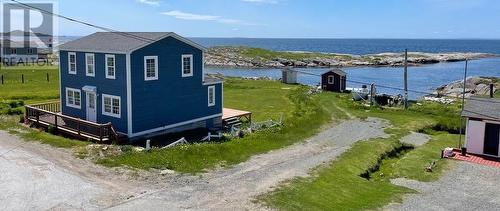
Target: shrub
[15, 111]
[126, 148]
[51, 129]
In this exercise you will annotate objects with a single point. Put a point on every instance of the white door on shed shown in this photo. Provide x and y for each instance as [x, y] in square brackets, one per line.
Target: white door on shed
[475, 136]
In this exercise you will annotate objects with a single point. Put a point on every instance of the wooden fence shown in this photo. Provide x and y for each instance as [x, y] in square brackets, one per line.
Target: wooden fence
[48, 115]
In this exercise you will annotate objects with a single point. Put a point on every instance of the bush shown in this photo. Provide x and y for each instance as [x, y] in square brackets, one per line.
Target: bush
[126, 148]
[51, 129]
[15, 111]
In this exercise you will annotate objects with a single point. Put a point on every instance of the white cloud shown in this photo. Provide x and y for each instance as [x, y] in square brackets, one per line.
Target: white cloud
[150, 2]
[262, 1]
[198, 17]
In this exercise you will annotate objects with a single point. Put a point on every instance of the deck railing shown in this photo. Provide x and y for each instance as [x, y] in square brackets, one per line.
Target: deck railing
[47, 114]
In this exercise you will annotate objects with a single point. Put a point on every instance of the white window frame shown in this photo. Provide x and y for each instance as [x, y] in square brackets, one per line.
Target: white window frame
[208, 96]
[73, 105]
[87, 64]
[112, 97]
[146, 78]
[190, 56]
[69, 63]
[331, 79]
[107, 66]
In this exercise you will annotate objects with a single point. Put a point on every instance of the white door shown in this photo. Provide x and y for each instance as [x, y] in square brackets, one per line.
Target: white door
[91, 107]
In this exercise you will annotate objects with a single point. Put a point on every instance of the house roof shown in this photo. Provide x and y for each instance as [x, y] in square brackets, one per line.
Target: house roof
[120, 42]
[482, 108]
[336, 71]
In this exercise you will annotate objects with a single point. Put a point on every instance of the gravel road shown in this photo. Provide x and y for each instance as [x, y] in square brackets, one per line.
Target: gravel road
[467, 186]
[39, 177]
[415, 139]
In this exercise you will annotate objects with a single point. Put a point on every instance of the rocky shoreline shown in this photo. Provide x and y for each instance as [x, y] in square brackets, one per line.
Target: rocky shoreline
[475, 85]
[243, 57]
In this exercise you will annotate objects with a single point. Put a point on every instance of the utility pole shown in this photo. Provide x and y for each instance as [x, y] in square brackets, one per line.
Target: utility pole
[406, 78]
[463, 103]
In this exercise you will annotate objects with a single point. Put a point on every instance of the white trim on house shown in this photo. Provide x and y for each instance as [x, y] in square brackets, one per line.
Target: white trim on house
[146, 78]
[106, 71]
[203, 66]
[112, 98]
[87, 65]
[174, 125]
[69, 63]
[190, 56]
[212, 83]
[174, 35]
[211, 88]
[129, 95]
[331, 79]
[73, 104]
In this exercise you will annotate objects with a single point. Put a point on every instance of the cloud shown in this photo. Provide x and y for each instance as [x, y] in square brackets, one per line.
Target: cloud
[262, 1]
[150, 2]
[198, 17]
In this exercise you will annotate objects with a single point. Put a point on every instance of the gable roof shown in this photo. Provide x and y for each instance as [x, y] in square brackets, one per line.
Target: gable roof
[482, 108]
[121, 42]
[336, 71]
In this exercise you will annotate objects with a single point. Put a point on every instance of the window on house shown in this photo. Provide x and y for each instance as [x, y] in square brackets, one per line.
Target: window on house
[150, 68]
[73, 98]
[31, 51]
[72, 63]
[330, 79]
[110, 66]
[187, 65]
[90, 64]
[13, 51]
[111, 105]
[211, 95]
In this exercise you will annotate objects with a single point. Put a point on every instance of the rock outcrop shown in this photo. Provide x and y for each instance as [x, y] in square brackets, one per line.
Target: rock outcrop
[239, 57]
[473, 86]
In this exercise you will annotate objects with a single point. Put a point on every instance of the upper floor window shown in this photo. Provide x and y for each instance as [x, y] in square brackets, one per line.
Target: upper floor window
[111, 105]
[187, 65]
[73, 98]
[72, 63]
[89, 64]
[211, 95]
[330, 79]
[110, 67]
[150, 68]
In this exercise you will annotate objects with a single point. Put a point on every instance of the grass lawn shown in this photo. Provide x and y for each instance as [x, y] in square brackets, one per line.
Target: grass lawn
[35, 87]
[304, 116]
[339, 186]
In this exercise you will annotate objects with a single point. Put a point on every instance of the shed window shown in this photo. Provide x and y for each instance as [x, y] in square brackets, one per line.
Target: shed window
[187, 65]
[330, 79]
[110, 66]
[72, 63]
[150, 68]
[90, 64]
[73, 98]
[111, 105]
[211, 95]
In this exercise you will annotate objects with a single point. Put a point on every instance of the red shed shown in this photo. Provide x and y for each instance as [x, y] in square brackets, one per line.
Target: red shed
[333, 80]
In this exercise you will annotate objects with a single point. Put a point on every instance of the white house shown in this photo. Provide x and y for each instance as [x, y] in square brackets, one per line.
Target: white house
[483, 126]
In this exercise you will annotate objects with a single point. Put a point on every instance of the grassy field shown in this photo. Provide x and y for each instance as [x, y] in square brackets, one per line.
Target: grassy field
[339, 185]
[304, 115]
[35, 87]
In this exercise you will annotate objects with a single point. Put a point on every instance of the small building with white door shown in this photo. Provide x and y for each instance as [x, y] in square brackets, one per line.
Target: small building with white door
[483, 126]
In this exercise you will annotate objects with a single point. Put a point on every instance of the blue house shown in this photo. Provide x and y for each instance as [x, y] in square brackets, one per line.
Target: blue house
[142, 82]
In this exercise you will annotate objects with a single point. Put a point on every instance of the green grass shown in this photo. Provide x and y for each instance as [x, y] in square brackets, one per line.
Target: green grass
[10, 124]
[305, 115]
[339, 186]
[35, 87]
[271, 55]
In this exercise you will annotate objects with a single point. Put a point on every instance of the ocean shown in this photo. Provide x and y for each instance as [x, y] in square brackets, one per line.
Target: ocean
[425, 78]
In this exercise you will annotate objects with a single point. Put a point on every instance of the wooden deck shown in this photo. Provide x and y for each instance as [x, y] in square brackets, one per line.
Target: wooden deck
[228, 113]
[48, 114]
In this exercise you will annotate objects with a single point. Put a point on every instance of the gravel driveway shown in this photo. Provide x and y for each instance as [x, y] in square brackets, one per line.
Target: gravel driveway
[39, 177]
[467, 186]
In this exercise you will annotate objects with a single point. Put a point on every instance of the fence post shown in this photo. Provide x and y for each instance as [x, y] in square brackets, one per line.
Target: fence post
[55, 120]
[37, 116]
[100, 133]
[48, 77]
[22, 78]
[2, 79]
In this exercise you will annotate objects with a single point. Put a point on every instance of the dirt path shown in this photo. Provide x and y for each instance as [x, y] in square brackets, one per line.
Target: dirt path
[466, 187]
[234, 188]
[40, 177]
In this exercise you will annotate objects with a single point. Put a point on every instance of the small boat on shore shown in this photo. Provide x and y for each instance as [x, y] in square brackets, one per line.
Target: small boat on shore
[359, 93]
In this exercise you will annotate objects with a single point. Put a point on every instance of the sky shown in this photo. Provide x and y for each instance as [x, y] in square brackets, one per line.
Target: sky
[439, 19]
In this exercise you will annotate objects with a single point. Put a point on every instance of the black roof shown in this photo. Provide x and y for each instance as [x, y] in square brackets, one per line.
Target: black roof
[482, 108]
[336, 71]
